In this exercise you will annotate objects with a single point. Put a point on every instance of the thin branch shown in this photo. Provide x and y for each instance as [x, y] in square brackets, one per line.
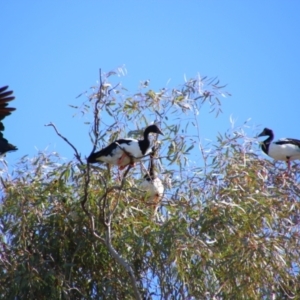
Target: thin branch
[123, 263]
[96, 113]
[77, 155]
[86, 189]
[100, 95]
[120, 188]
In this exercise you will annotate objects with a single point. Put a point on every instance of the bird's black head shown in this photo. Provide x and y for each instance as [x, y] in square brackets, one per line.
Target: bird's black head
[154, 129]
[266, 132]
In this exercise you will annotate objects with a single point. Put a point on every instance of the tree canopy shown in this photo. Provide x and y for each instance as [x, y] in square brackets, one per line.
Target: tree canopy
[227, 226]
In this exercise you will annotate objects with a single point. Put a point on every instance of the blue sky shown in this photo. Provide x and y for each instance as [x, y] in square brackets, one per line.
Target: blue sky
[51, 51]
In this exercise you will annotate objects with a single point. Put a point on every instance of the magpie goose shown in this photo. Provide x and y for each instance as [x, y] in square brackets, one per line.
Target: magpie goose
[125, 152]
[5, 97]
[152, 185]
[286, 149]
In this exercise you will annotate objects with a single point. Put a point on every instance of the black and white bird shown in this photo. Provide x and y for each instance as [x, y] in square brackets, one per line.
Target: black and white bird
[152, 186]
[285, 149]
[5, 97]
[125, 152]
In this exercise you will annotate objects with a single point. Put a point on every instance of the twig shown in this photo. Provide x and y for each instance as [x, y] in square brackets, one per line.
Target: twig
[86, 189]
[120, 188]
[96, 112]
[96, 134]
[77, 155]
[125, 174]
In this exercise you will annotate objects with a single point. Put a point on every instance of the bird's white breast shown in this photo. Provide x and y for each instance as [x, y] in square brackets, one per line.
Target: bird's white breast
[132, 148]
[281, 152]
[152, 188]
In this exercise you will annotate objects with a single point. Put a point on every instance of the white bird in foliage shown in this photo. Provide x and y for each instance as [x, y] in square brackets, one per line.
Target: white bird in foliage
[286, 149]
[125, 152]
[5, 97]
[152, 186]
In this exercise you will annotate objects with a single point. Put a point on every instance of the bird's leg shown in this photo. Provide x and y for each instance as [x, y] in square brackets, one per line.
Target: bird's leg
[120, 160]
[287, 173]
[126, 172]
[132, 164]
[108, 169]
[131, 157]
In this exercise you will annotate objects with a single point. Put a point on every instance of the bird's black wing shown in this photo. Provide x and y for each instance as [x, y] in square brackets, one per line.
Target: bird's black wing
[288, 141]
[5, 97]
[109, 150]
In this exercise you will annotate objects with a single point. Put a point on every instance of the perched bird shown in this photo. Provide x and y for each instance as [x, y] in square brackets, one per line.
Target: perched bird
[5, 97]
[285, 149]
[152, 185]
[125, 152]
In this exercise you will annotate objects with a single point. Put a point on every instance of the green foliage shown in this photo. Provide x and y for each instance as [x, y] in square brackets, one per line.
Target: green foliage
[227, 227]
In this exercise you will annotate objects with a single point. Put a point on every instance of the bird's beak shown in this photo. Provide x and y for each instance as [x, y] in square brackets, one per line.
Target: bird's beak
[261, 134]
[160, 132]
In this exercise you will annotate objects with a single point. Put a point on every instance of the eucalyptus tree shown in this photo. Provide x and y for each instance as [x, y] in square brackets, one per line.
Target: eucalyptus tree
[227, 226]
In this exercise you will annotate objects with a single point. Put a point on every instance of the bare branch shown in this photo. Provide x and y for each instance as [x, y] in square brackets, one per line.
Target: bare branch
[122, 262]
[96, 125]
[86, 187]
[77, 155]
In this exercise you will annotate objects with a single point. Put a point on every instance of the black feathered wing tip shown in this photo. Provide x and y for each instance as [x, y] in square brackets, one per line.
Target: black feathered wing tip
[93, 158]
[5, 97]
[6, 147]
